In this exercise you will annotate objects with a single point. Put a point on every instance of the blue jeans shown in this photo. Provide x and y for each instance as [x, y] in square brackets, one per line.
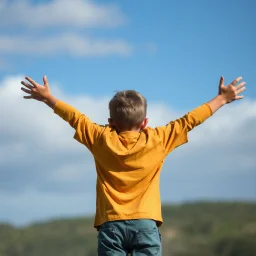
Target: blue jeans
[138, 237]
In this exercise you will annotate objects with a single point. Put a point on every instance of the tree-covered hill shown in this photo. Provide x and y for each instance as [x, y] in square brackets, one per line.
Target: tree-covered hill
[192, 229]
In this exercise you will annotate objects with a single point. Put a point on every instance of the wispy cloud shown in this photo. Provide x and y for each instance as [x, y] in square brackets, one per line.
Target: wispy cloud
[40, 160]
[65, 44]
[59, 13]
[44, 29]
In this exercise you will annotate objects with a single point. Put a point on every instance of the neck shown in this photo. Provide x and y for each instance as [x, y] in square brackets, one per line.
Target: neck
[127, 130]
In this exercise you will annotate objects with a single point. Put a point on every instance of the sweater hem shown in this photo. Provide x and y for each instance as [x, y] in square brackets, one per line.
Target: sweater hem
[158, 220]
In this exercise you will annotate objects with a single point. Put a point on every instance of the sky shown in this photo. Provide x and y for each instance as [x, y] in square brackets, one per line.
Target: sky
[173, 52]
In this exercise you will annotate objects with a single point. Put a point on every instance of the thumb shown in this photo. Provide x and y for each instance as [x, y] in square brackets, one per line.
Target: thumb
[221, 84]
[221, 81]
[45, 81]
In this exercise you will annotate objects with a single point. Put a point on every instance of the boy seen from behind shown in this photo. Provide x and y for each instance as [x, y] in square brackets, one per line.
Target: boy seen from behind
[128, 159]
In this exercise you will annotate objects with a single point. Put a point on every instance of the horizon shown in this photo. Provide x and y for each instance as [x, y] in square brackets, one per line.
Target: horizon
[91, 216]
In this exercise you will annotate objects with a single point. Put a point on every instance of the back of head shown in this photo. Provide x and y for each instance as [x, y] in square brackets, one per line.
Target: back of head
[128, 109]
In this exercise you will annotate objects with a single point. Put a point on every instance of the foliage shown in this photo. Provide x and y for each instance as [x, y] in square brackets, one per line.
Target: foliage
[191, 229]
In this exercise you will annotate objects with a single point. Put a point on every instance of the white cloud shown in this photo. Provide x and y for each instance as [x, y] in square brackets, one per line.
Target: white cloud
[59, 13]
[65, 44]
[61, 27]
[40, 160]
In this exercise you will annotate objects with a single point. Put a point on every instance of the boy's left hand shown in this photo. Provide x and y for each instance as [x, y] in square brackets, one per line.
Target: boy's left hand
[231, 92]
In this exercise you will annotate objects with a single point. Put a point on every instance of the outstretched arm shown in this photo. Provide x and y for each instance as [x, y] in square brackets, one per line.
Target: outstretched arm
[175, 133]
[87, 132]
[39, 92]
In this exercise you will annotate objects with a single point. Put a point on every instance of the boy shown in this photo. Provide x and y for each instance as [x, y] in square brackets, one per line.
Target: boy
[128, 158]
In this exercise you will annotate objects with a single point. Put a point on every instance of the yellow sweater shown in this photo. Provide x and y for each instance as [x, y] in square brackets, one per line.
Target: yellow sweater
[128, 164]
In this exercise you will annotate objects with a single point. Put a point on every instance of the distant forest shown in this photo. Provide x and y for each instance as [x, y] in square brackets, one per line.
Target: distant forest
[191, 229]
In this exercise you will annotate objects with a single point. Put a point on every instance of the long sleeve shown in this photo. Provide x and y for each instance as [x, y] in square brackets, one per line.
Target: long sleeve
[175, 133]
[87, 132]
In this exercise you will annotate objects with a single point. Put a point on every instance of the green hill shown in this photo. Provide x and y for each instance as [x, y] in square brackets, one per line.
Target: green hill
[192, 229]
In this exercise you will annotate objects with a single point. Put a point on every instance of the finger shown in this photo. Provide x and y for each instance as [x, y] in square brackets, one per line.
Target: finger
[45, 81]
[33, 97]
[26, 90]
[239, 97]
[29, 86]
[240, 90]
[240, 85]
[28, 97]
[31, 81]
[236, 80]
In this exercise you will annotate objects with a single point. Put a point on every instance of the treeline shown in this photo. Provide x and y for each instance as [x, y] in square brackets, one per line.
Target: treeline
[192, 229]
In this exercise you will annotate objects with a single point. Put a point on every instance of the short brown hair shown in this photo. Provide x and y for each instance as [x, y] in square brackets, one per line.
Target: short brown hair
[128, 109]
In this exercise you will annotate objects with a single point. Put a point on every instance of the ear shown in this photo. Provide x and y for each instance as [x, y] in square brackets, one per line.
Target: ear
[110, 121]
[144, 123]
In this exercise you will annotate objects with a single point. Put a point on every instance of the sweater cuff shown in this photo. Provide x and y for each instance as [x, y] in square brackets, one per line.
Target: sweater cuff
[209, 108]
[60, 107]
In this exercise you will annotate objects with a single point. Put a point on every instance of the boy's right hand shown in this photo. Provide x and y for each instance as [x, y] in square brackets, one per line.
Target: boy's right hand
[38, 92]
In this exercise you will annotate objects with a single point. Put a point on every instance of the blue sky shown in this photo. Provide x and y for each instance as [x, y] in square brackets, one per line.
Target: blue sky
[173, 52]
[179, 50]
